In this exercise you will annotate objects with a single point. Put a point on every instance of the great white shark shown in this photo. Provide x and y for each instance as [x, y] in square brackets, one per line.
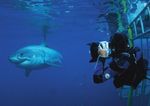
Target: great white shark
[36, 57]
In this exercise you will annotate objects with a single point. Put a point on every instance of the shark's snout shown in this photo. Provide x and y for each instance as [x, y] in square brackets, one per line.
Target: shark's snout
[17, 59]
[13, 59]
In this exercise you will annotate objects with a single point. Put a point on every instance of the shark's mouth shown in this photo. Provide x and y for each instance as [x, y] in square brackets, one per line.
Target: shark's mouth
[19, 60]
[23, 60]
[25, 63]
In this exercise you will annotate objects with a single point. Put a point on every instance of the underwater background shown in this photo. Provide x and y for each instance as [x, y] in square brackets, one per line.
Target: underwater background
[69, 25]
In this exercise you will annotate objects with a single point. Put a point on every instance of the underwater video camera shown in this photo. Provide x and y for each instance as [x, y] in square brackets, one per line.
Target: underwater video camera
[99, 49]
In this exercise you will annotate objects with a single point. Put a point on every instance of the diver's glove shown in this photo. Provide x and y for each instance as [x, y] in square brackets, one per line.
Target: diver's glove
[97, 78]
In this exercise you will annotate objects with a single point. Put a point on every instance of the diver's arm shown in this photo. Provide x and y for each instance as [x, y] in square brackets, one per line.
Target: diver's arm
[102, 71]
[102, 74]
[100, 78]
[120, 63]
[97, 77]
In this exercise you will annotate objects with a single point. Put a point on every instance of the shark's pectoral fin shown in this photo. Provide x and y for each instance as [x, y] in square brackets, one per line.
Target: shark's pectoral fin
[27, 72]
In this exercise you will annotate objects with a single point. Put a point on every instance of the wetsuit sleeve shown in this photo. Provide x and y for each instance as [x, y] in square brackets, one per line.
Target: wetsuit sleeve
[120, 63]
[103, 73]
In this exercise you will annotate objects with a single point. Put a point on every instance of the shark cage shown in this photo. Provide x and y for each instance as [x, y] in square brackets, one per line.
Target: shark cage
[139, 35]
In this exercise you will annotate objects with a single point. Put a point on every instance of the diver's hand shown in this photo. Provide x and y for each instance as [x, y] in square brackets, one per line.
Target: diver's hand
[97, 78]
[103, 53]
[103, 49]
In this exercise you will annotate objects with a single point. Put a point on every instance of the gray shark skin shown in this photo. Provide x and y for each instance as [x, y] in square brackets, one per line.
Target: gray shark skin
[36, 57]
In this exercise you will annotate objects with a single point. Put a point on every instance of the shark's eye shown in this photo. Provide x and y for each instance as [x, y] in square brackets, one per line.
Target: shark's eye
[20, 55]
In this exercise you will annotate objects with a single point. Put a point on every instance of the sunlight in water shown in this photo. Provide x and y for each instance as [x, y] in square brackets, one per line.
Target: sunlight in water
[39, 7]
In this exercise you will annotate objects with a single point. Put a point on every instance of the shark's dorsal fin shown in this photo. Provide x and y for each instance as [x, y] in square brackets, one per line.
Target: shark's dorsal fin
[27, 72]
[44, 44]
[45, 29]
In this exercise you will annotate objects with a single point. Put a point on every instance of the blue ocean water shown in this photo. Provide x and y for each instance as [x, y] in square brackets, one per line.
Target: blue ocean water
[73, 25]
